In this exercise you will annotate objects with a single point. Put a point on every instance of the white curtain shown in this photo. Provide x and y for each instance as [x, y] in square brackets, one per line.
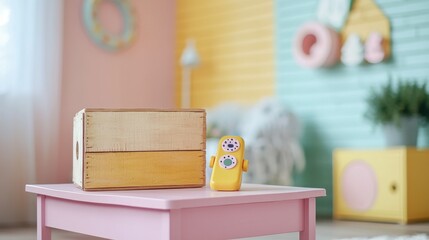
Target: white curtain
[30, 77]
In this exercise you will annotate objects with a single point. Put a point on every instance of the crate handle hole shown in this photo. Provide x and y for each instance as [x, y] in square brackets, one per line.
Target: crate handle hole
[77, 150]
[393, 187]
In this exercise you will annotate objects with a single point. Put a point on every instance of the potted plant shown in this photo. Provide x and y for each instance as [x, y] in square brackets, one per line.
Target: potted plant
[401, 109]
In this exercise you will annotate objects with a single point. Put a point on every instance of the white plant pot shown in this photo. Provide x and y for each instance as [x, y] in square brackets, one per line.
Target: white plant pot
[403, 134]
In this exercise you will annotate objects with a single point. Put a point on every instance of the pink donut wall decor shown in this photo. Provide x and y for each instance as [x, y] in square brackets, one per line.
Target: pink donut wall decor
[316, 45]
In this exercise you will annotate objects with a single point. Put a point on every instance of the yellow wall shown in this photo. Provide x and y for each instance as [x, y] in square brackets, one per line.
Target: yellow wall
[235, 42]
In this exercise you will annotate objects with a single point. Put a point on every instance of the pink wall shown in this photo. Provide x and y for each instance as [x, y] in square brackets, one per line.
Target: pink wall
[139, 76]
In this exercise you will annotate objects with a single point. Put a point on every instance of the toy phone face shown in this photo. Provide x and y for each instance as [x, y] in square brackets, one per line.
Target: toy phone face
[227, 168]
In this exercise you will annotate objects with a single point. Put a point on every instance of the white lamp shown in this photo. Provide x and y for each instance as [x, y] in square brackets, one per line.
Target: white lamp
[188, 60]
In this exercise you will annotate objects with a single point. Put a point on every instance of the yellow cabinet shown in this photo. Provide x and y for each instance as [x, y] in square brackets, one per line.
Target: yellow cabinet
[390, 185]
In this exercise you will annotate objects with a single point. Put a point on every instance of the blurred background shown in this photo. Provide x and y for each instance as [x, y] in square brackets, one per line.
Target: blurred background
[278, 63]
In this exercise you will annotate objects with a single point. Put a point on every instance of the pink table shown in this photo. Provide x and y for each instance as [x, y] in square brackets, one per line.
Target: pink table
[192, 213]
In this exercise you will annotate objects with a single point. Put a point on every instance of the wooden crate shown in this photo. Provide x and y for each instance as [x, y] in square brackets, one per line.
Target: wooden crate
[387, 185]
[139, 148]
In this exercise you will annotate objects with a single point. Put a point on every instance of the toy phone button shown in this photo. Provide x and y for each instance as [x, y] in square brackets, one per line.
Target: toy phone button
[227, 161]
[230, 145]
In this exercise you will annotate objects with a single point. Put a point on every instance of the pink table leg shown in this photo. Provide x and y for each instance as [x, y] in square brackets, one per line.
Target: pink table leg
[43, 232]
[175, 226]
[309, 232]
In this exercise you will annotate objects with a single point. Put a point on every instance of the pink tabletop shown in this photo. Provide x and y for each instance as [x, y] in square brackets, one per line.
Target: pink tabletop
[178, 198]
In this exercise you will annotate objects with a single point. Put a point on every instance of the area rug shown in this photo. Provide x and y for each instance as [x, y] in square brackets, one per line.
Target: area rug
[414, 237]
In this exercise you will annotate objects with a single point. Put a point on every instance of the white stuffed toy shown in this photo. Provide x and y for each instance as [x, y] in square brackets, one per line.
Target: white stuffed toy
[271, 135]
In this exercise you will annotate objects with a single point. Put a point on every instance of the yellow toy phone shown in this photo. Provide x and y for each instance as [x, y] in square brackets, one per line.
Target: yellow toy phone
[228, 164]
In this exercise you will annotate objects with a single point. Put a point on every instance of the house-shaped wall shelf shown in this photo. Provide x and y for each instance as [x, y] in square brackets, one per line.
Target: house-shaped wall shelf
[366, 17]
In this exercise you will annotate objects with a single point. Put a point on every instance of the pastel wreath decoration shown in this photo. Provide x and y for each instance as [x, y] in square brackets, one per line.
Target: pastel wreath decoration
[316, 45]
[99, 35]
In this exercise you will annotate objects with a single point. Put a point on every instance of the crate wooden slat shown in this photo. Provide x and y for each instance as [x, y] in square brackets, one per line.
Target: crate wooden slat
[167, 169]
[143, 130]
[139, 148]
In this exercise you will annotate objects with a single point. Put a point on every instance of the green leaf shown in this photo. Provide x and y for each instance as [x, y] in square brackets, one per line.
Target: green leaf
[390, 102]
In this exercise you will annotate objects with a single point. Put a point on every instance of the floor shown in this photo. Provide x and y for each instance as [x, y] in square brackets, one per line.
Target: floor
[326, 230]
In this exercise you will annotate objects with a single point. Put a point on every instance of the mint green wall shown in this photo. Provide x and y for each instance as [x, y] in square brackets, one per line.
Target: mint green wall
[330, 102]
